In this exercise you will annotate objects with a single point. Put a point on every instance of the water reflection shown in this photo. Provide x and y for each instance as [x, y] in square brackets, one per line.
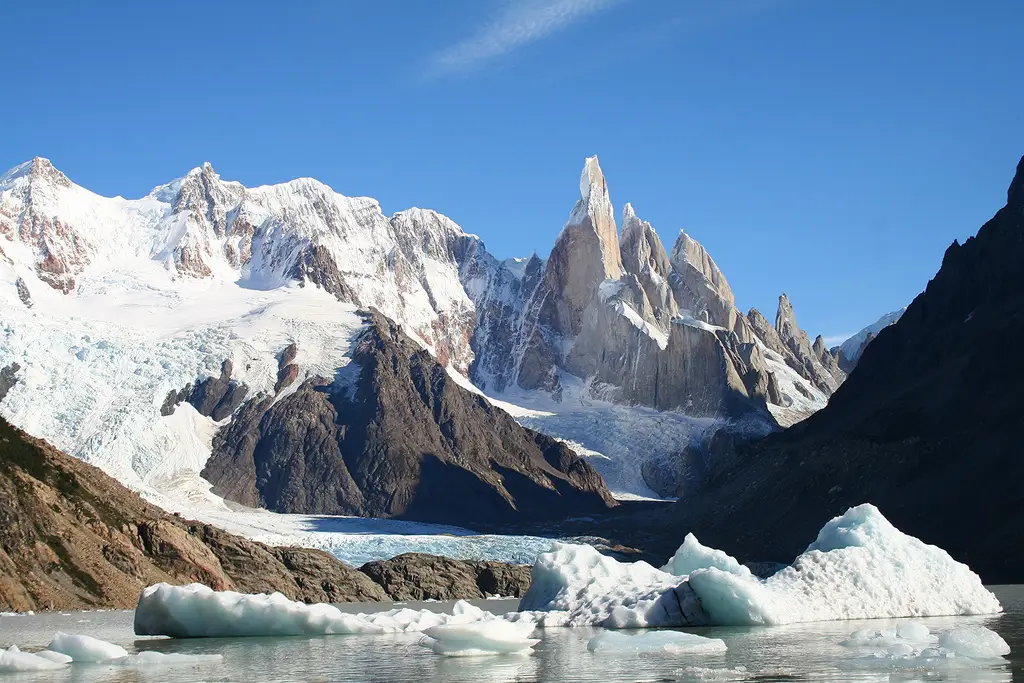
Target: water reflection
[796, 652]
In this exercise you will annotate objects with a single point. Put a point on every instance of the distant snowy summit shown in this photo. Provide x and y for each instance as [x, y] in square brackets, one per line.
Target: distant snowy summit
[640, 325]
[850, 351]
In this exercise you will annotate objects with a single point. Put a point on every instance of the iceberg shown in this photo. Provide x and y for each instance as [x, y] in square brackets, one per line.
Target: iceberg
[13, 660]
[859, 567]
[55, 657]
[197, 611]
[85, 648]
[677, 642]
[485, 638]
[976, 642]
[692, 556]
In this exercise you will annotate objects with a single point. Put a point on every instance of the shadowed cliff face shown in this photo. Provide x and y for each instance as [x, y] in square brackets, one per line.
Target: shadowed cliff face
[392, 435]
[73, 538]
[927, 427]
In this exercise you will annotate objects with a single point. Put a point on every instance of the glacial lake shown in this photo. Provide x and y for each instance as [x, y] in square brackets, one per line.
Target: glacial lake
[785, 653]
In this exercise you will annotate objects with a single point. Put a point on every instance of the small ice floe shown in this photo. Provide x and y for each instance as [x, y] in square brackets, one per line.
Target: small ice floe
[910, 633]
[494, 637]
[148, 659]
[85, 648]
[976, 642]
[677, 642]
[14, 660]
[965, 647]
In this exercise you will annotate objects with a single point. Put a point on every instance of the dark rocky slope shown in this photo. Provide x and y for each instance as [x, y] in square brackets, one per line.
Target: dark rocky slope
[392, 435]
[71, 537]
[927, 427]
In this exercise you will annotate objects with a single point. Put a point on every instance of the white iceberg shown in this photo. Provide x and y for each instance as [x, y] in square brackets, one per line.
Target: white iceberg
[692, 555]
[976, 642]
[197, 611]
[860, 567]
[484, 638]
[13, 660]
[677, 642]
[85, 648]
[55, 657]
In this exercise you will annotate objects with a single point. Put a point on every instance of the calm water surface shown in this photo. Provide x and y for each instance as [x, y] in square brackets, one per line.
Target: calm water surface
[788, 653]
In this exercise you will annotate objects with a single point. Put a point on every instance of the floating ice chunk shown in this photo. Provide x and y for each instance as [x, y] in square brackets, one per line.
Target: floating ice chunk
[909, 633]
[483, 638]
[85, 648]
[692, 555]
[615, 642]
[14, 660]
[593, 589]
[197, 611]
[55, 657]
[860, 567]
[146, 659]
[974, 641]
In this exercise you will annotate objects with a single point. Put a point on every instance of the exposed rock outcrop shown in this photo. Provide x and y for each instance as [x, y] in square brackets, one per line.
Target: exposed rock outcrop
[344, 446]
[416, 576]
[213, 397]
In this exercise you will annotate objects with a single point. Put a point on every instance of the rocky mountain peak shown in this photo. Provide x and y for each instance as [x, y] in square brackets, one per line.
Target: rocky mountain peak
[785, 317]
[38, 170]
[594, 212]
[1015, 193]
[688, 253]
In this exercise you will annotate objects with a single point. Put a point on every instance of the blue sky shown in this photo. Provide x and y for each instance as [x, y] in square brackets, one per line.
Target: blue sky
[831, 149]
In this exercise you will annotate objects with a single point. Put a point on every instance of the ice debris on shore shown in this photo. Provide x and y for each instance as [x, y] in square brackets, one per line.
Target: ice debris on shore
[494, 637]
[859, 567]
[676, 642]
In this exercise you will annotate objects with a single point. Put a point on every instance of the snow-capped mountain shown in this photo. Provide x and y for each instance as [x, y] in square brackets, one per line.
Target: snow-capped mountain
[113, 308]
[849, 352]
[200, 226]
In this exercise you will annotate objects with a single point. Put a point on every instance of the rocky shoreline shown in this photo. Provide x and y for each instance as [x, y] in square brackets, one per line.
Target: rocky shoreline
[73, 538]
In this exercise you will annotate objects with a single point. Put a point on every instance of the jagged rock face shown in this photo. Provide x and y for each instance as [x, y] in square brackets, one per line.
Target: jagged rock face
[344, 446]
[699, 285]
[805, 359]
[644, 256]
[925, 427]
[501, 296]
[26, 199]
[585, 254]
[416, 576]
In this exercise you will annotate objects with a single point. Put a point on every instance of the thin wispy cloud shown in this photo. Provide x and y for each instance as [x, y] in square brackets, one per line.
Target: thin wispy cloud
[520, 23]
